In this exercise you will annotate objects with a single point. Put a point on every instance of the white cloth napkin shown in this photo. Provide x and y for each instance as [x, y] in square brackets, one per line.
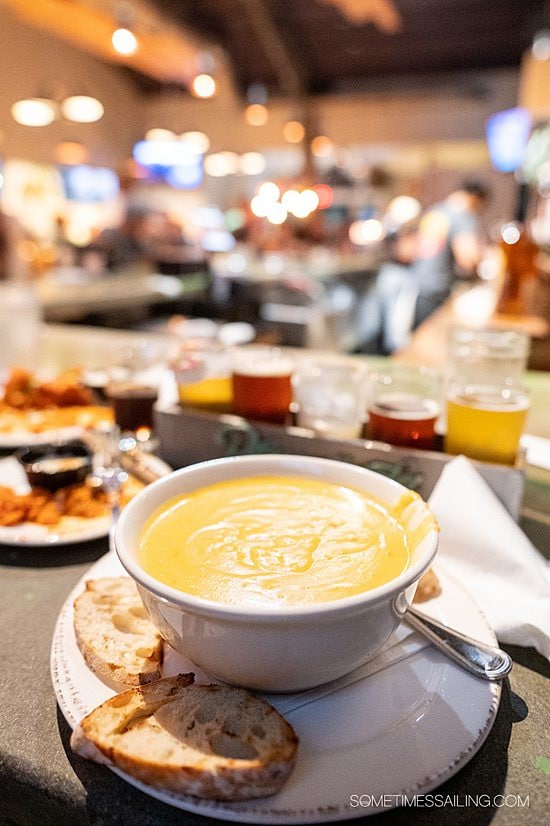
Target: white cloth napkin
[483, 548]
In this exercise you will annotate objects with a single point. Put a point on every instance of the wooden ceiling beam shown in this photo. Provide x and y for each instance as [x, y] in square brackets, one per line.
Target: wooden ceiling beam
[165, 53]
[382, 13]
[293, 82]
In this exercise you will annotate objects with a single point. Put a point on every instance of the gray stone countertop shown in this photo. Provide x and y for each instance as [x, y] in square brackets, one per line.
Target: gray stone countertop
[42, 783]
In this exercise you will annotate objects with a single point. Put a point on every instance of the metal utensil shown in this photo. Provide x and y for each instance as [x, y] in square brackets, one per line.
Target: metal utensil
[485, 661]
[137, 459]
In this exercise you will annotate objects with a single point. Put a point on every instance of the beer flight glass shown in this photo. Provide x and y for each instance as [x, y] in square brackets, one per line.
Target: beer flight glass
[487, 403]
[404, 406]
[331, 398]
[486, 421]
[203, 377]
[261, 378]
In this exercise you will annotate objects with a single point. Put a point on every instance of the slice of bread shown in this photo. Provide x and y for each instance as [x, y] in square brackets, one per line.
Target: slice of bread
[117, 640]
[428, 587]
[210, 741]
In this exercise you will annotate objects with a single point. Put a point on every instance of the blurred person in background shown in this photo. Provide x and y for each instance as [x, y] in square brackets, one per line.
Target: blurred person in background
[12, 266]
[449, 246]
[145, 239]
[386, 313]
[122, 246]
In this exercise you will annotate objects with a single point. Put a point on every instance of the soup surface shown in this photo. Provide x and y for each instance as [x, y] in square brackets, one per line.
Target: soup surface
[275, 540]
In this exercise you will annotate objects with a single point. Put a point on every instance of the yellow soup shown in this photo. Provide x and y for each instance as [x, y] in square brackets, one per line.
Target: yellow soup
[276, 540]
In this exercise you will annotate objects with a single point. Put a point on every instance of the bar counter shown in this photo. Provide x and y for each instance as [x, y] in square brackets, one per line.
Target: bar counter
[42, 782]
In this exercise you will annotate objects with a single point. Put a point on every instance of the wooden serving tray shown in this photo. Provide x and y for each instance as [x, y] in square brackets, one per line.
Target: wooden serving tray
[187, 436]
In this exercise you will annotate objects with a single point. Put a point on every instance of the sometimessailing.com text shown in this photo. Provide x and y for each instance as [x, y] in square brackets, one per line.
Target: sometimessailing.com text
[438, 801]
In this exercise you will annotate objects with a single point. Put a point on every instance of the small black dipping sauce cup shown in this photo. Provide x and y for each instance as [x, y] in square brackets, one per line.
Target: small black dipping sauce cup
[56, 466]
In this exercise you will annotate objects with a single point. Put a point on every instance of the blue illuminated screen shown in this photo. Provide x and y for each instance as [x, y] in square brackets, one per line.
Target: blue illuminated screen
[170, 161]
[507, 136]
[89, 184]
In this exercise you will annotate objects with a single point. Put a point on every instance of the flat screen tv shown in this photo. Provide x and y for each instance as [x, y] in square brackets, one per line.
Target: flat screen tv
[507, 136]
[89, 184]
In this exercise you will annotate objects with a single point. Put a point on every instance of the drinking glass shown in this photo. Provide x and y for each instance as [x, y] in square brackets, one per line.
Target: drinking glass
[404, 406]
[133, 387]
[261, 383]
[482, 356]
[20, 325]
[486, 421]
[331, 398]
[132, 404]
[203, 378]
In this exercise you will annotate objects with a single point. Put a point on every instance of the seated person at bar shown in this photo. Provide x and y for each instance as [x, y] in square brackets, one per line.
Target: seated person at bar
[125, 245]
[449, 246]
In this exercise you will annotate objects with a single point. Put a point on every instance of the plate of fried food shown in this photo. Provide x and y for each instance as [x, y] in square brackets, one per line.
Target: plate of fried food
[35, 410]
[40, 517]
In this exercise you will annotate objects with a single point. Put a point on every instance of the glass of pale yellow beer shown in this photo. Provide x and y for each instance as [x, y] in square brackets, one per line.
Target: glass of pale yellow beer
[486, 421]
[203, 378]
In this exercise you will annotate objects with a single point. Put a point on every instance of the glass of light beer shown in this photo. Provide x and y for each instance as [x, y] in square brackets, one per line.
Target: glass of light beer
[203, 378]
[262, 384]
[404, 406]
[486, 421]
[487, 355]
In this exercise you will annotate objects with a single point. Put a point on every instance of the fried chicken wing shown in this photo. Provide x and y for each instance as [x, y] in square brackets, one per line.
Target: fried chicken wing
[83, 501]
[23, 390]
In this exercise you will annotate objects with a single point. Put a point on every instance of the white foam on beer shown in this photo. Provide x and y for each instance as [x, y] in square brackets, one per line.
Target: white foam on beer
[405, 406]
[264, 368]
[485, 400]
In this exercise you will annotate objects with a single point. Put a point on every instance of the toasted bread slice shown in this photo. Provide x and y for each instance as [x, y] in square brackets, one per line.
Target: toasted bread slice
[428, 587]
[211, 741]
[117, 640]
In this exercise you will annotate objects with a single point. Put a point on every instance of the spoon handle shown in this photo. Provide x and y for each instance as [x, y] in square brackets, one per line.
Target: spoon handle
[483, 660]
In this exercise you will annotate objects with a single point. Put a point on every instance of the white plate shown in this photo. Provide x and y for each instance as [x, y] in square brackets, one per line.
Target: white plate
[69, 530]
[401, 731]
[26, 438]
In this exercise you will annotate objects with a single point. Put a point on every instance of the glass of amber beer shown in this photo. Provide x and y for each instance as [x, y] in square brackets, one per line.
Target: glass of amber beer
[262, 383]
[404, 406]
[486, 421]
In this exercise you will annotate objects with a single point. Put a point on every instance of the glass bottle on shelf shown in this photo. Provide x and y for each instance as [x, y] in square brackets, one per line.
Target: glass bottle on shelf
[519, 268]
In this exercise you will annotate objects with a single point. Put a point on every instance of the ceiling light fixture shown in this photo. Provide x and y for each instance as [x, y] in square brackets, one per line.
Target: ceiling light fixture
[256, 114]
[124, 41]
[82, 109]
[197, 142]
[123, 38]
[321, 146]
[71, 153]
[34, 111]
[203, 86]
[541, 45]
[158, 134]
[252, 163]
[293, 131]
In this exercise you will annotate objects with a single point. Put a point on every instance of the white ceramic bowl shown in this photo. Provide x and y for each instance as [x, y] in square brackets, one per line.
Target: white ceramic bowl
[272, 649]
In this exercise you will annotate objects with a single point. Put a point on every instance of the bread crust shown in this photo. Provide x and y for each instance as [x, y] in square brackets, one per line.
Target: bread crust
[117, 640]
[210, 741]
[428, 587]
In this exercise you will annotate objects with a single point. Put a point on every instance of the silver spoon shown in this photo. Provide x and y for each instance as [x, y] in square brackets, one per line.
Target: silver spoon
[485, 661]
